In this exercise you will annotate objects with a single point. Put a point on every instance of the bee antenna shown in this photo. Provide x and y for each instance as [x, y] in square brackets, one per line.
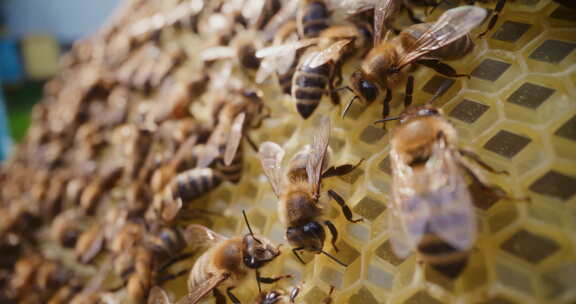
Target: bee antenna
[333, 258]
[258, 280]
[387, 119]
[249, 228]
[348, 106]
[440, 91]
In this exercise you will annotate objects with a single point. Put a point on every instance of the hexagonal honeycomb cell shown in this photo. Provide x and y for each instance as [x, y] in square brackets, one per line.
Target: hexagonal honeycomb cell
[517, 111]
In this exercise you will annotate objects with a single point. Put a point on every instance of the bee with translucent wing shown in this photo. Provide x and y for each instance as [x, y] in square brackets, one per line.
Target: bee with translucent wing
[432, 210]
[384, 68]
[298, 189]
[227, 262]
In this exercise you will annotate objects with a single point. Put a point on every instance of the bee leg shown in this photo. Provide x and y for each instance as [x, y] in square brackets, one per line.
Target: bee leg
[340, 170]
[171, 276]
[273, 280]
[175, 260]
[441, 68]
[334, 97]
[412, 16]
[478, 179]
[295, 252]
[220, 299]
[231, 296]
[476, 158]
[328, 298]
[334, 233]
[494, 19]
[409, 91]
[251, 143]
[338, 75]
[345, 209]
[386, 103]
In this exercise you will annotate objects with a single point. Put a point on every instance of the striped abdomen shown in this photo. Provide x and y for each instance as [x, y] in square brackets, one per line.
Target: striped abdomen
[452, 51]
[315, 18]
[233, 172]
[194, 183]
[442, 256]
[285, 79]
[308, 86]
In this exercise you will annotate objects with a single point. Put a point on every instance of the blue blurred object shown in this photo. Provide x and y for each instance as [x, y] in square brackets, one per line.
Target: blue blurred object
[5, 140]
[11, 69]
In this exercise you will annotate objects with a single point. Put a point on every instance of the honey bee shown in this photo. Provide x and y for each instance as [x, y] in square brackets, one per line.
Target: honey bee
[227, 263]
[90, 243]
[432, 206]
[316, 74]
[300, 207]
[384, 66]
[220, 159]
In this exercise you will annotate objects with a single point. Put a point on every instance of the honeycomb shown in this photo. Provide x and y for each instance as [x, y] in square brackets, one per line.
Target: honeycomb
[517, 111]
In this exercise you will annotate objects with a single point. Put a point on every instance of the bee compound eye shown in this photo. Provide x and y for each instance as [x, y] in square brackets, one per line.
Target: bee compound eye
[368, 90]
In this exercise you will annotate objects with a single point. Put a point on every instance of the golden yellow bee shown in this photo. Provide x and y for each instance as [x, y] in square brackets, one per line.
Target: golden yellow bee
[432, 210]
[227, 263]
[384, 68]
[298, 190]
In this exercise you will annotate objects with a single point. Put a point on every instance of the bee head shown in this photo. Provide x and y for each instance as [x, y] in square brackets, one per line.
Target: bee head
[258, 251]
[363, 87]
[309, 236]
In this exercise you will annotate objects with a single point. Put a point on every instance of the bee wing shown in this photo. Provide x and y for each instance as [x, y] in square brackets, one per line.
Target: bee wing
[183, 151]
[271, 155]
[317, 154]
[287, 48]
[286, 13]
[199, 236]
[194, 296]
[447, 202]
[267, 67]
[157, 295]
[234, 139]
[451, 206]
[331, 53]
[217, 52]
[398, 237]
[271, 63]
[208, 154]
[452, 25]
[384, 10]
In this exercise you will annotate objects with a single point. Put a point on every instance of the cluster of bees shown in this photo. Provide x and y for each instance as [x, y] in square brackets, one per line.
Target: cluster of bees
[135, 130]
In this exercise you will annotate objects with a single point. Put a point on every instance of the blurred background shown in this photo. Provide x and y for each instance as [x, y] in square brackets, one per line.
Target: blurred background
[33, 34]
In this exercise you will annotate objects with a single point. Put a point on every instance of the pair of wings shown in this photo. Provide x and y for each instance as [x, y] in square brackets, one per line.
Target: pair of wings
[452, 25]
[281, 57]
[233, 140]
[445, 209]
[271, 156]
